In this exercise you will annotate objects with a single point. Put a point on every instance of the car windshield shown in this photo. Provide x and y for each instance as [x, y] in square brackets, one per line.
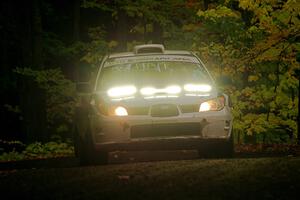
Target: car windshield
[152, 73]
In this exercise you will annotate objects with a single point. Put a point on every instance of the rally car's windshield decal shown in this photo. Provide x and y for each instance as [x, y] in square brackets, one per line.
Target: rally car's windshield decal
[158, 74]
[124, 60]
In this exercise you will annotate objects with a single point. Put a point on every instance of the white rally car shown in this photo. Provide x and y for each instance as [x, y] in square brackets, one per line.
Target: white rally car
[152, 99]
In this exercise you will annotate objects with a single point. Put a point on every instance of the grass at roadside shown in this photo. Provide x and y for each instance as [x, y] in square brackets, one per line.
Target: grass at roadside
[18, 151]
[262, 178]
[36, 150]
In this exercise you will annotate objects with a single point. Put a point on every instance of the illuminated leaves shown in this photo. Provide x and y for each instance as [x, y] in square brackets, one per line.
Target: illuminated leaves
[217, 13]
[263, 66]
[252, 78]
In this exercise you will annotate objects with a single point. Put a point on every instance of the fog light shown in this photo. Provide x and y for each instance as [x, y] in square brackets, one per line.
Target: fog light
[204, 107]
[121, 111]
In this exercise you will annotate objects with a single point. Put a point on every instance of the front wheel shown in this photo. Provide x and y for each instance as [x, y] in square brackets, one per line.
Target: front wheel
[85, 151]
[223, 150]
[228, 147]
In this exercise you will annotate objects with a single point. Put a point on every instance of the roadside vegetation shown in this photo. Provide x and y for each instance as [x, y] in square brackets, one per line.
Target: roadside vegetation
[16, 150]
[251, 47]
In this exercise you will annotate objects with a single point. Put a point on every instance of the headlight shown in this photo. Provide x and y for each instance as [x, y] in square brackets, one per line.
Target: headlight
[213, 105]
[197, 88]
[120, 111]
[174, 89]
[148, 91]
[121, 91]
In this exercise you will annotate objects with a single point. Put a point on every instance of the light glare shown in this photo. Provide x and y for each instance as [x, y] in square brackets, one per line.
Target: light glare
[121, 111]
[174, 89]
[204, 107]
[121, 91]
[197, 88]
[148, 91]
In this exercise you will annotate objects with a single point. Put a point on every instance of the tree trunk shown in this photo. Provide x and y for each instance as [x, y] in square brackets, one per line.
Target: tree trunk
[205, 4]
[157, 33]
[76, 21]
[298, 76]
[298, 118]
[76, 38]
[37, 55]
[32, 98]
[121, 30]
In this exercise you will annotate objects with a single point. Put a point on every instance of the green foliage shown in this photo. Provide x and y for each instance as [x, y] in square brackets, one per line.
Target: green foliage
[11, 146]
[218, 13]
[260, 59]
[48, 150]
[98, 47]
[60, 96]
[11, 156]
[40, 151]
[54, 47]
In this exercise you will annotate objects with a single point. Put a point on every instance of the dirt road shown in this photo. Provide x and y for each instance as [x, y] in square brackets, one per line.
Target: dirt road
[238, 178]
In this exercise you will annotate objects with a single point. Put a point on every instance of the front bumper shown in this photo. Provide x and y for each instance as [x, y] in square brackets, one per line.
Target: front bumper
[171, 143]
[184, 131]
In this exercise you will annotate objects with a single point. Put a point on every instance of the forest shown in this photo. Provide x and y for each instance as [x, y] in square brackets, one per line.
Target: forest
[251, 47]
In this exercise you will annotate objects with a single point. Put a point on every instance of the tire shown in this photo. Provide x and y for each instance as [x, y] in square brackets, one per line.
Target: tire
[223, 150]
[87, 154]
[228, 149]
[84, 146]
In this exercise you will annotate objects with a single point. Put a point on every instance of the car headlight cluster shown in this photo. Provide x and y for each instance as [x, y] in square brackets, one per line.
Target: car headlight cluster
[197, 88]
[124, 91]
[213, 104]
[173, 89]
[120, 111]
[121, 91]
[128, 90]
[148, 91]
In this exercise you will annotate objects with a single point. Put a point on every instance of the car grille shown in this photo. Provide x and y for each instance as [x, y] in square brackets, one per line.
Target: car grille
[189, 108]
[164, 110]
[138, 110]
[166, 130]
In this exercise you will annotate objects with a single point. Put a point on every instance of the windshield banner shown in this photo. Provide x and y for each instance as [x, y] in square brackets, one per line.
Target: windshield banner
[152, 58]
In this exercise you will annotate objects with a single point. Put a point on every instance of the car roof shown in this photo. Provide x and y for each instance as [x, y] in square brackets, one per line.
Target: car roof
[166, 52]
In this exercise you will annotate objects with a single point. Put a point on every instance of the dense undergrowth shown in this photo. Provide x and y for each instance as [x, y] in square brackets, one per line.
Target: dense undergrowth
[16, 150]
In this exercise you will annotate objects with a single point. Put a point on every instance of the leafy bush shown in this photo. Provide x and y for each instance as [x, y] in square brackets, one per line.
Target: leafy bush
[11, 146]
[48, 150]
[261, 63]
[40, 151]
[12, 156]
[60, 97]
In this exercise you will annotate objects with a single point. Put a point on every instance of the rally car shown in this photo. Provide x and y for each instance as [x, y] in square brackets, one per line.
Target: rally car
[152, 99]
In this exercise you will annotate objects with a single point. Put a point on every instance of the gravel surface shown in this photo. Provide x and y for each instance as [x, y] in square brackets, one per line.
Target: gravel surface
[247, 178]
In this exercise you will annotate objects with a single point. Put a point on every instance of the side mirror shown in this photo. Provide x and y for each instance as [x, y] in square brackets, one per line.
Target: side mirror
[83, 87]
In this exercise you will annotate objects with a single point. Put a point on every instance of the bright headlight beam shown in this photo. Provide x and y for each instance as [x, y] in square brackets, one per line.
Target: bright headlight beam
[121, 91]
[204, 107]
[174, 89]
[197, 88]
[148, 91]
[121, 111]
